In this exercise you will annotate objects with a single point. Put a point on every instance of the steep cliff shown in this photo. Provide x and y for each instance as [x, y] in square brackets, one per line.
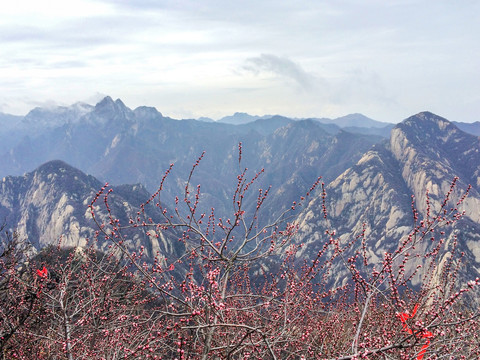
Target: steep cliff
[425, 153]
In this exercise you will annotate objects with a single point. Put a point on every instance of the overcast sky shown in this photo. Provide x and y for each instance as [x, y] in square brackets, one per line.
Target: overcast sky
[387, 59]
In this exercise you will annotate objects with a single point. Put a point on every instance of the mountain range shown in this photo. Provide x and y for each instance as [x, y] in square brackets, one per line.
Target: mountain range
[120, 145]
[369, 177]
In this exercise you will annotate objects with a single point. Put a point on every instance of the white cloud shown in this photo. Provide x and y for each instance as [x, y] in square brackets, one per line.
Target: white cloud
[387, 59]
[281, 67]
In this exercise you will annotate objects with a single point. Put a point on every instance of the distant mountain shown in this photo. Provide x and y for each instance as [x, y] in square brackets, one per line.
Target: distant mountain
[9, 135]
[328, 126]
[360, 124]
[425, 152]
[359, 120]
[120, 145]
[471, 128]
[8, 121]
[379, 131]
[205, 119]
[239, 118]
[267, 126]
[46, 118]
[354, 120]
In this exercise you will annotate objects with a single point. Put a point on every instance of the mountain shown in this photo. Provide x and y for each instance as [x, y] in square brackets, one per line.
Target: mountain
[51, 203]
[239, 118]
[369, 179]
[267, 126]
[8, 122]
[354, 120]
[8, 133]
[358, 120]
[120, 145]
[358, 123]
[46, 118]
[379, 131]
[205, 119]
[471, 128]
[424, 152]
[287, 150]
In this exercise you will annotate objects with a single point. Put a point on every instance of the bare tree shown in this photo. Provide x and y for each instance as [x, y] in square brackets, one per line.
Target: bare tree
[239, 291]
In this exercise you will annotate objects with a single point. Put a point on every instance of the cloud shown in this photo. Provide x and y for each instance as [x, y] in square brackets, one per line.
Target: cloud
[381, 58]
[95, 98]
[281, 67]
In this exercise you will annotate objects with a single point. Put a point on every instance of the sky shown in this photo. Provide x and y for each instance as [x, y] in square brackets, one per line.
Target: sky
[386, 59]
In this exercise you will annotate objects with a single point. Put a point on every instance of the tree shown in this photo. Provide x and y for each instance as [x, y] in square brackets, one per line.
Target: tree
[18, 290]
[238, 290]
[92, 307]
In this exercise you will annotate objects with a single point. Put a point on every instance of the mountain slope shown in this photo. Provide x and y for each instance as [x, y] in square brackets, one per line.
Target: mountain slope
[425, 152]
[471, 128]
[51, 203]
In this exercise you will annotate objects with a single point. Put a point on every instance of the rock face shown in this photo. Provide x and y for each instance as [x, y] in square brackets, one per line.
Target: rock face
[425, 152]
[431, 151]
[50, 205]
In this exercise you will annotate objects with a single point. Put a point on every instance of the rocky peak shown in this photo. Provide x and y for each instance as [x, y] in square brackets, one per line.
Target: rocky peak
[108, 110]
[59, 173]
[55, 166]
[424, 154]
[426, 117]
[147, 113]
[106, 102]
[432, 150]
[51, 203]
[423, 128]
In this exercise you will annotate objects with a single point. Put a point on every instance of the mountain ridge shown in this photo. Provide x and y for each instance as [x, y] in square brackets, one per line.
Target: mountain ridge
[120, 145]
[374, 197]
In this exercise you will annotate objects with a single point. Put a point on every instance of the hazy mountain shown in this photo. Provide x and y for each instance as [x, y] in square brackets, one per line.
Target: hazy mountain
[379, 131]
[354, 120]
[425, 152]
[358, 120]
[266, 126]
[8, 122]
[358, 123]
[205, 119]
[471, 128]
[120, 145]
[8, 134]
[239, 118]
[46, 118]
